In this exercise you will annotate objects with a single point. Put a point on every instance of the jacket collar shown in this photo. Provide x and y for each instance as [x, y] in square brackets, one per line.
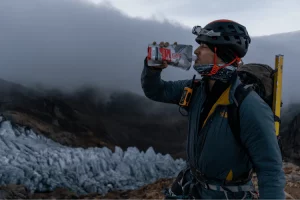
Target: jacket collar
[226, 98]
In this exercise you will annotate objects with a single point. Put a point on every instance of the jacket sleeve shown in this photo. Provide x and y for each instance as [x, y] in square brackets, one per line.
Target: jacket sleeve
[159, 90]
[258, 136]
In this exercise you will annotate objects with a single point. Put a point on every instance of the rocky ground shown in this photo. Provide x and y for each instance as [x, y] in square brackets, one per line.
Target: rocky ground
[151, 191]
[292, 173]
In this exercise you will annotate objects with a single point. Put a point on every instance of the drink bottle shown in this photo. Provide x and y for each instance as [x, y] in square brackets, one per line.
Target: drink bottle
[177, 55]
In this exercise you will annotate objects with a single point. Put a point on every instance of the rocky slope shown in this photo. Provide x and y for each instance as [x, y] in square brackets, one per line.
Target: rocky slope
[88, 119]
[85, 119]
[291, 140]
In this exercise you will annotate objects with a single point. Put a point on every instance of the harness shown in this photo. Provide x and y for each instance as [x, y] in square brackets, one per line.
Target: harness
[235, 186]
[188, 187]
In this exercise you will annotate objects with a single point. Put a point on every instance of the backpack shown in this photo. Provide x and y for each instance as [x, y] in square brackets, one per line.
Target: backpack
[254, 77]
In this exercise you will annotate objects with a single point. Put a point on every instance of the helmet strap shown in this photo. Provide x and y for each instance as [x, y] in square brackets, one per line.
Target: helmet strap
[216, 68]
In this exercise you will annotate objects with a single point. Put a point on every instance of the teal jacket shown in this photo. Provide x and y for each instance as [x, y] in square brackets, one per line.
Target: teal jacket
[214, 150]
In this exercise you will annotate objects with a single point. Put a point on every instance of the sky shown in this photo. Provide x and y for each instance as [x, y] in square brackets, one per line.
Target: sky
[70, 43]
[262, 17]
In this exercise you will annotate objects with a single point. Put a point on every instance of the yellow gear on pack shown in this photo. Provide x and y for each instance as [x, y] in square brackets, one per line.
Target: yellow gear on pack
[277, 89]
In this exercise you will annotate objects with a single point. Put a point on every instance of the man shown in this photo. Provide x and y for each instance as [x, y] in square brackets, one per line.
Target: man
[220, 166]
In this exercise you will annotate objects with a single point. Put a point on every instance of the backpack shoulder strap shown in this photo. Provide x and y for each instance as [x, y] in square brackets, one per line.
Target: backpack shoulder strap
[233, 111]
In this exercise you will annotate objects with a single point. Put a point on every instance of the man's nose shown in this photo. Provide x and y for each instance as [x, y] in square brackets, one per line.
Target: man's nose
[197, 51]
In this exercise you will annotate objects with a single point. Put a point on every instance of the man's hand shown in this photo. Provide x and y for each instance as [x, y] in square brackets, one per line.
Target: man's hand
[164, 63]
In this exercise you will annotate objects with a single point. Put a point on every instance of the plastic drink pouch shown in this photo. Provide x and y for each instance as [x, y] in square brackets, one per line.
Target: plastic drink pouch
[177, 55]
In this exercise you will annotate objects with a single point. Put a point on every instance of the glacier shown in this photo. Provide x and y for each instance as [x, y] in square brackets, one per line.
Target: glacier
[41, 164]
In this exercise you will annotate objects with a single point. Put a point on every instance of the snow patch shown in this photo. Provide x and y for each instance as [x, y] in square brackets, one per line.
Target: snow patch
[42, 164]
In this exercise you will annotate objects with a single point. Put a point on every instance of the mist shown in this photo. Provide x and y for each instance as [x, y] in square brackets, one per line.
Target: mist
[66, 44]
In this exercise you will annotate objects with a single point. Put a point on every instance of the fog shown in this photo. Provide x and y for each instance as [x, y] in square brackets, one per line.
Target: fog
[69, 43]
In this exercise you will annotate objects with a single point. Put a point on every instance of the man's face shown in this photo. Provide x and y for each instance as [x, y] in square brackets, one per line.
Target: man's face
[204, 55]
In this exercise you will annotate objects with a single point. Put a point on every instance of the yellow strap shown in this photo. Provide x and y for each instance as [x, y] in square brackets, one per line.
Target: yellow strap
[229, 176]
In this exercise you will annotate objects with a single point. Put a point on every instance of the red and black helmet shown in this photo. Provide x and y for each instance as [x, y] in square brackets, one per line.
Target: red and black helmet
[230, 39]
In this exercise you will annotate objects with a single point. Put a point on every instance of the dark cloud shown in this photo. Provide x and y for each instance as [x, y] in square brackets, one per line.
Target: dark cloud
[264, 50]
[69, 43]
[204, 9]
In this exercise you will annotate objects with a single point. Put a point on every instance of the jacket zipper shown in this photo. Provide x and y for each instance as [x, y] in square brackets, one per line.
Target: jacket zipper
[196, 136]
[208, 122]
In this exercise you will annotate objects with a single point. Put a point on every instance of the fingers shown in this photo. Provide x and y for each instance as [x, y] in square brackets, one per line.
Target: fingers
[164, 44]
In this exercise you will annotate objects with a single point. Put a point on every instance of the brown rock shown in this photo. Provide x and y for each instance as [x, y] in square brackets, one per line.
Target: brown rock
[288, 170]
[58, 193]
[14, 192]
